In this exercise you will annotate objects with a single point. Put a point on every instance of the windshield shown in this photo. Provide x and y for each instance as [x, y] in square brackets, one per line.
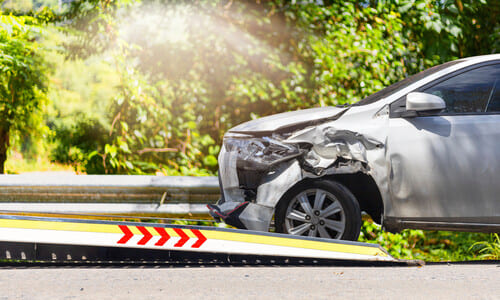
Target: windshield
[404, 83]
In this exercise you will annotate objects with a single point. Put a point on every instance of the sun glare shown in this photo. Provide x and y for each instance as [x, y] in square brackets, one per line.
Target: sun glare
[167, 25]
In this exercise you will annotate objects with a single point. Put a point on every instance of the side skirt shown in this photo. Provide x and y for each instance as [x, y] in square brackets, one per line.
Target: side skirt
[447, 224]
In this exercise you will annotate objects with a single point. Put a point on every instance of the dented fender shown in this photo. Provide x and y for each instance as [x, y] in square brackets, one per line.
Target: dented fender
[333, 150]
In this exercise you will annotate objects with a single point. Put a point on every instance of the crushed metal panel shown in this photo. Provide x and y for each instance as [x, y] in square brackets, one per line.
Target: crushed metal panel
[334, 148]
[269, 166]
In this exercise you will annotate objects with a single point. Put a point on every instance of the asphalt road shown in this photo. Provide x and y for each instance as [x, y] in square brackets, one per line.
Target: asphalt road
[469, 281]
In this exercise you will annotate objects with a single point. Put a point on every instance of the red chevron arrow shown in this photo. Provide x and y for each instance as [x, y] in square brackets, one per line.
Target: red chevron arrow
[184, 237]
[201, 238]
[147, 235]
[127, 234]
[164, 236]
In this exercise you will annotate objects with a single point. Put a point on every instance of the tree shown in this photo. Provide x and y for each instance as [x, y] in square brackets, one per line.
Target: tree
[22, 80]
[189, 70]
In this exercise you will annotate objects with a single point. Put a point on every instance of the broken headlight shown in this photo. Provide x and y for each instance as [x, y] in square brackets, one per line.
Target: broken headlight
[260, 154]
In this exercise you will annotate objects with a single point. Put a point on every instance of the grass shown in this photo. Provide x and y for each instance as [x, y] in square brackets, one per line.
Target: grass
[489, 249]
[17, 164]
[433, 246]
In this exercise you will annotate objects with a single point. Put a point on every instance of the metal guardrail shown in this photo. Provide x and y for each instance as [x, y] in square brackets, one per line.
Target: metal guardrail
[108, 194]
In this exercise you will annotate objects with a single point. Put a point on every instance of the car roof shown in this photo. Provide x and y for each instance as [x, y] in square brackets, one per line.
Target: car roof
[481, 58]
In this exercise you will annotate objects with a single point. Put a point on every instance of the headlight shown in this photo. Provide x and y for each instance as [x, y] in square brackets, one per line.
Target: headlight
[260, 154]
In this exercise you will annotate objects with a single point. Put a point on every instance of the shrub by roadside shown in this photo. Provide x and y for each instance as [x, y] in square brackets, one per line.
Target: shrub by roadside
[433, 245]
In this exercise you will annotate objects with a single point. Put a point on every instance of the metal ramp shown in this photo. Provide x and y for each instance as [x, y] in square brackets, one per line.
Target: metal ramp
[63, 240]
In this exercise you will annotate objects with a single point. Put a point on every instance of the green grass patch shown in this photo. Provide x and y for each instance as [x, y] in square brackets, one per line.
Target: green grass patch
[17, 164]
[433, 246]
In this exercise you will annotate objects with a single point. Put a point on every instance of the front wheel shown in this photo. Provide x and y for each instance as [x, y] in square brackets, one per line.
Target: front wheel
[319, 208]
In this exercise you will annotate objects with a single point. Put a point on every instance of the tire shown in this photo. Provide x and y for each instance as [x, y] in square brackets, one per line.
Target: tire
[337, 216]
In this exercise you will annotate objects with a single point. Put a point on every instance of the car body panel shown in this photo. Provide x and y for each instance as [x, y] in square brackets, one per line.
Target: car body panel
[445, 166]
[273, 123]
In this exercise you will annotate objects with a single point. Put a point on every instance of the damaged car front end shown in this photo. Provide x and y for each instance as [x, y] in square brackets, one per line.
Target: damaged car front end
[406, 155]
[244, 163]
[261, 160]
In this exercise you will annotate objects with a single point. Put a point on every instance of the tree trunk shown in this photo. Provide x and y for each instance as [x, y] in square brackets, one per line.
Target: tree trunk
[4, 146]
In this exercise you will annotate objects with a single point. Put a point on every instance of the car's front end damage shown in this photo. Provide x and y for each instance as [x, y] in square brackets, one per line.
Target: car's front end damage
[260, 160]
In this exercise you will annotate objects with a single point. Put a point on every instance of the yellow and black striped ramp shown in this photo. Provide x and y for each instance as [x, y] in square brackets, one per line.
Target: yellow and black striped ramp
[194, 240]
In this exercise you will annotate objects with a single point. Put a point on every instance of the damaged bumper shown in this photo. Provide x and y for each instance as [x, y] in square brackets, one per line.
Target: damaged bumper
[243, 215]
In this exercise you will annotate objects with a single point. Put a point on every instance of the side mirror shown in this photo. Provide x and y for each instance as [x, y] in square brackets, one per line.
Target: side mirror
[423, 102]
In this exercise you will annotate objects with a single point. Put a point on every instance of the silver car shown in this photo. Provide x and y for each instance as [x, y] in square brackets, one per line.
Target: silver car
[422, 153]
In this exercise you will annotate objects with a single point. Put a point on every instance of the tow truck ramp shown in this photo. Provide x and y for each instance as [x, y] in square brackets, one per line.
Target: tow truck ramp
[65, 240]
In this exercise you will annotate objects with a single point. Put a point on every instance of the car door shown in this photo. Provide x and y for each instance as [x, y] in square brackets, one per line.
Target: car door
[445, 167]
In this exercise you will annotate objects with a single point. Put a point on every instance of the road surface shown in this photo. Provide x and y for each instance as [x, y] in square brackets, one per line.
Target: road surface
[443, 281]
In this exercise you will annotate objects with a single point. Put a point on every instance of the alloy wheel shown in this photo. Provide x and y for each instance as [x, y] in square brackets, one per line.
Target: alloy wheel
[316, 213]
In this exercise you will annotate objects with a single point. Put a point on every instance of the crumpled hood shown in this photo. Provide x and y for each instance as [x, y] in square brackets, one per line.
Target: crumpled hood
[283, 121]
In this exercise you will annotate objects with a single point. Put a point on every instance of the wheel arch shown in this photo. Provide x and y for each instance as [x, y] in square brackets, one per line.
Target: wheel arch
[361, 185]
[366, 191]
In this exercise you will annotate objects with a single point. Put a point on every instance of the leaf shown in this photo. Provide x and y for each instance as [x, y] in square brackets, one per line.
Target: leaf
[406, 7]
[455, 30]
[210, 160]
[124, 125]
[92, 154]
[129, 165]
[111, 150]
[421, 5]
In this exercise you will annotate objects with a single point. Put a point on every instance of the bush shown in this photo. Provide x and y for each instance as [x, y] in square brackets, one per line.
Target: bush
[432, 245]
[76, 140]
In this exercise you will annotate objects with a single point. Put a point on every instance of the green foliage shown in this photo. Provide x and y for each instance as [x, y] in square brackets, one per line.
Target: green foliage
[489, 249]
[452, 28]
[183, 84]
[23, 81]
[77, 141]
[80, 92]
[28, 5]
[18, 163]
[355, 50]
[432, 245]
[189, 71]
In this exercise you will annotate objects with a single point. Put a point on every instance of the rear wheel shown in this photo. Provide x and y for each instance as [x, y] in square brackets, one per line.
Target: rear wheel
[319, 208]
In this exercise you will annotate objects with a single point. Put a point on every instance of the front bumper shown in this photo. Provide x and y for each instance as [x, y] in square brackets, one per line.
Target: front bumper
[229, 212]
[230, 217]
[237, 206]
[248, 197]
[243, 215]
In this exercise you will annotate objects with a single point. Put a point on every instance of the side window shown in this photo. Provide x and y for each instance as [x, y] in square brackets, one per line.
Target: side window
[474, 91]
[494, 101]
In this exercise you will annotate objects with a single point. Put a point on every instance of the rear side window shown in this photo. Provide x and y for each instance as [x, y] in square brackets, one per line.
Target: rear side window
[474, 91]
